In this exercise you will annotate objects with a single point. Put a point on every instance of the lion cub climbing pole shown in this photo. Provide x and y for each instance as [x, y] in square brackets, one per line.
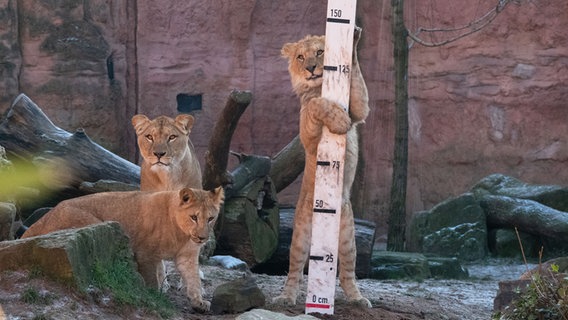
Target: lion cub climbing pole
[334, 100]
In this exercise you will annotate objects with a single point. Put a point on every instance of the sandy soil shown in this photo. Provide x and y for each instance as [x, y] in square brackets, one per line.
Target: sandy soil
[409, 300]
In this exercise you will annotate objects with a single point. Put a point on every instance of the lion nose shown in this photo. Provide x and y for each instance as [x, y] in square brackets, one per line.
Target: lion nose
[159, 154]
[311, 68]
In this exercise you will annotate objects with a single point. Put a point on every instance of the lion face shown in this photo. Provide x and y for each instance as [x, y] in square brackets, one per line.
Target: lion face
[305, 61]
[164, 140]
[198, 212]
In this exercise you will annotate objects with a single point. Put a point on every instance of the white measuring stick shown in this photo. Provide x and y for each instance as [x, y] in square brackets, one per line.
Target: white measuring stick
[328, 191]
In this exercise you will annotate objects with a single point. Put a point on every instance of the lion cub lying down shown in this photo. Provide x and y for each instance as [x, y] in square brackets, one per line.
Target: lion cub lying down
[160, 225]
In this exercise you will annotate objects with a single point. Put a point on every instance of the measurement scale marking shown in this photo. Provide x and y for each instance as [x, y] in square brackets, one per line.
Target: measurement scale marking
[331, 156]
[336, 20]
[317, 305]
[319, 210]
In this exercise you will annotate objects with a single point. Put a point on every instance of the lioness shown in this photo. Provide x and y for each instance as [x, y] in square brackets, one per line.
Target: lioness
[160, 225]
[169, 160]
[305, 65]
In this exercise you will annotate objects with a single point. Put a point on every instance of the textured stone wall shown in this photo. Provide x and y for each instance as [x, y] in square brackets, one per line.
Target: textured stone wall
[492, 102]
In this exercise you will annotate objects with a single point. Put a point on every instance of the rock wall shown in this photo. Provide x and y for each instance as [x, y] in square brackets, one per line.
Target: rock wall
[491, 102]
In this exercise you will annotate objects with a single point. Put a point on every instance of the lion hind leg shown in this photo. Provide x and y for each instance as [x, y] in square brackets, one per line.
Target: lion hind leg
[299, 250]
[347, 258]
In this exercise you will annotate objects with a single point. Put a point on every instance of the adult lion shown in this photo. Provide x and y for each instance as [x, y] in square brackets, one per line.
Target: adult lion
[169, 160]
[186, 217]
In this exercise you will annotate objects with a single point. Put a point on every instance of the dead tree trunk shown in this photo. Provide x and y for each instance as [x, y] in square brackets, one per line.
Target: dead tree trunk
[217, 156]
[27, 134]
[526, 215]
[287, 164]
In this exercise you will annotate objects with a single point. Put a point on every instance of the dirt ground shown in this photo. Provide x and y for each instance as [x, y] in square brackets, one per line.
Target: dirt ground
[408, 300]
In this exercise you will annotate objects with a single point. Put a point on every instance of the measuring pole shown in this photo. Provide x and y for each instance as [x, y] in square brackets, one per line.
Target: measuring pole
[328, 192]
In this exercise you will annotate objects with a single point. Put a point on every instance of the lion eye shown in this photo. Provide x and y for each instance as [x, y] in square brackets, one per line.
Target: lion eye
[300, 58]
[211, 219]
[172, 137]
[194, 218]
[319, 53]
[149, 137]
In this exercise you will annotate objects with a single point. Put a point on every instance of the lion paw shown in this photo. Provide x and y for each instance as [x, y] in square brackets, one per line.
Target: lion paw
[201, 306]
[362, 302]
[340, 123]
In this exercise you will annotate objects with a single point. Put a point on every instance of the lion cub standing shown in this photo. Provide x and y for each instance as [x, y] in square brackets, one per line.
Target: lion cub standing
[169, 160]
[305, 59]
[182, 226]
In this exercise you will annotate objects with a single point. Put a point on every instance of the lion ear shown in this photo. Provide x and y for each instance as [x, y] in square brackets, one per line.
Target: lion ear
[185, 196]
[139, 122]
[185, 122]
[289, 50]
[218, 195]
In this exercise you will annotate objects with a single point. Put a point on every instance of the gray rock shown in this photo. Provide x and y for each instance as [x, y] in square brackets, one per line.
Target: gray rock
[399, 265]
[237, 296]
[446, 268]
[453, 228]
[467, 241]
[261, 314]
[7, 217]
[69, 255]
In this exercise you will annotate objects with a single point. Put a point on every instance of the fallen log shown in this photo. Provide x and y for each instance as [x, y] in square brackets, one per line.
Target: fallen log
[27, 134]
[287, 164]
[278, 263]
[251, 167]
[526, 215]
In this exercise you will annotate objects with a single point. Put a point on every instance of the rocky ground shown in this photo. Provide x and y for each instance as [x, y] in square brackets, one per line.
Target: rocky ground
[25, 297]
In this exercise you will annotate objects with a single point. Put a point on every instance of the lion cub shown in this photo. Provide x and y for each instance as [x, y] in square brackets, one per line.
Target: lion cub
[169, 159]
[305, 59]
[160, 225]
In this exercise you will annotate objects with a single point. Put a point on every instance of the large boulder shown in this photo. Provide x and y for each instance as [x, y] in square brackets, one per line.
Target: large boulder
[453, 228]
[399, 265]
[467, 241]
[69, 255]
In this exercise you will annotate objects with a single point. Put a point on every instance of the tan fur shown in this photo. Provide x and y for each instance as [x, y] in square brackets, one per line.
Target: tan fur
[306, 67]
[169, 160]
[160, 225]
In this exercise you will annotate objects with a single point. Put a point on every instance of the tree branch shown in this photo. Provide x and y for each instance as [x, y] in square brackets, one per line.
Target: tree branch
[473, 26]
